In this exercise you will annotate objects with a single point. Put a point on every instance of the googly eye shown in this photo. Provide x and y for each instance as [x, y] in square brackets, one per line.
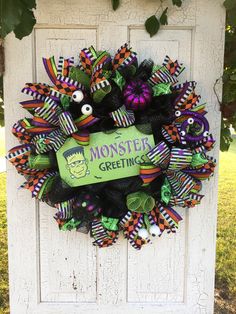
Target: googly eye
[190, 120]
[177, 113]
[182, 133]
[206, 133]
[87, 109]
[78, 96]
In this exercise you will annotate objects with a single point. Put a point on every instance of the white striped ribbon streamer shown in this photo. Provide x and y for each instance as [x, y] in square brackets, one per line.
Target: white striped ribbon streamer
[136, 229]
[18, 152]
[166, 135]
[178, 68]
[18, 127]
[196, 197]
[125, 218]
[185, 92]
[70, 81]
[54, 140]
[89, 54]
[98, 232]
[99, 85]
[61, 64]
[159, 154]
[65, 208]
[161, 77]
[128, 60]
[122, 117]
[67, 123]
[57, 138]
[55, 93]
[179, 87]
[177, 201]
[33, 94]
[180, 158]
[40, 183]
[100, 66]
[200, 144]
[181, 137]
[167, 217]
[181, 183]
[37, 140]
[50, 111]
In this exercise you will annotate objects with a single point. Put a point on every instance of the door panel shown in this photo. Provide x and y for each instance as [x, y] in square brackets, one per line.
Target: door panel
[57, 272]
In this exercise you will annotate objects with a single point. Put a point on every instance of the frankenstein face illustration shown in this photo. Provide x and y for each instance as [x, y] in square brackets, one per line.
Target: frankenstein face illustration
[76, 162]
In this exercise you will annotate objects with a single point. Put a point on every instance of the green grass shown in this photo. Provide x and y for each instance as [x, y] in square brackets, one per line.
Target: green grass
[2, 141]
[226, 230]
[226, 235]
[3, 247]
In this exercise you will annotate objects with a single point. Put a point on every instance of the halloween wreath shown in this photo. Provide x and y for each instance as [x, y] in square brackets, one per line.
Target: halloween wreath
[114, 145]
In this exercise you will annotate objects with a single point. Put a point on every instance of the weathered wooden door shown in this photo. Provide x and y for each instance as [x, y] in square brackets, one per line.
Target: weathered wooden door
[55, 272]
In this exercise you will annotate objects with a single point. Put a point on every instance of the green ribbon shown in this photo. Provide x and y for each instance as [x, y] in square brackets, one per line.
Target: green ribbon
[147, 221]
[80, 76]
[140, 202]
[71, 224]
[198, 160]
[156, 67]
[65, 101]
[28, 125]
[101, 93]
[41, 143]
[40, 161]
[161, 89]
[93, 52]
[110, 223]
[166, 192]
[46, 187]
[119, 80]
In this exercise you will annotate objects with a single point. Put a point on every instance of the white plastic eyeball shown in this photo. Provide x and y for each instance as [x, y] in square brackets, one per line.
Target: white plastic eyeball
[143, 233]
[87, 109]
[177, 113]
[182, 133]
[190, 120]
[154, 230]
[206, 133]
[78, 96]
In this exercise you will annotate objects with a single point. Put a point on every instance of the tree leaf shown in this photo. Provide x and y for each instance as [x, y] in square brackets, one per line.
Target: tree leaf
[115, 4]
[11, 12]
[152, 25]
[231, 17]
[164, 17]
[24, 28]
[178, 3]
[30, 4]
[233, 77]
[230, 4]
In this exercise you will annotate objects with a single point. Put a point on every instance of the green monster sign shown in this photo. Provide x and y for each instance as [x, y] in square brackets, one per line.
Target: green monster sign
[107, 157]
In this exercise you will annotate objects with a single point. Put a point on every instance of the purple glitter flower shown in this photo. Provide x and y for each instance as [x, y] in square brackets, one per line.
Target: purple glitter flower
[137, 95]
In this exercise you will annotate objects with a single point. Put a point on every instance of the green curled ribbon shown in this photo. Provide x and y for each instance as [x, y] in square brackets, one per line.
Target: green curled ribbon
[71, 224]
[166, 192]
[65, 101]
[41, 143]
[198, 160]
[77, 74]
[140, 202]
[40, 161]
[110, 223]
[119, 80]
[161, 89]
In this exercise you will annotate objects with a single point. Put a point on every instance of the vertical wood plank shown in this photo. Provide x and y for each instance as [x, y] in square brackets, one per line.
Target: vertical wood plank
[124, 277]
[21, 210]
